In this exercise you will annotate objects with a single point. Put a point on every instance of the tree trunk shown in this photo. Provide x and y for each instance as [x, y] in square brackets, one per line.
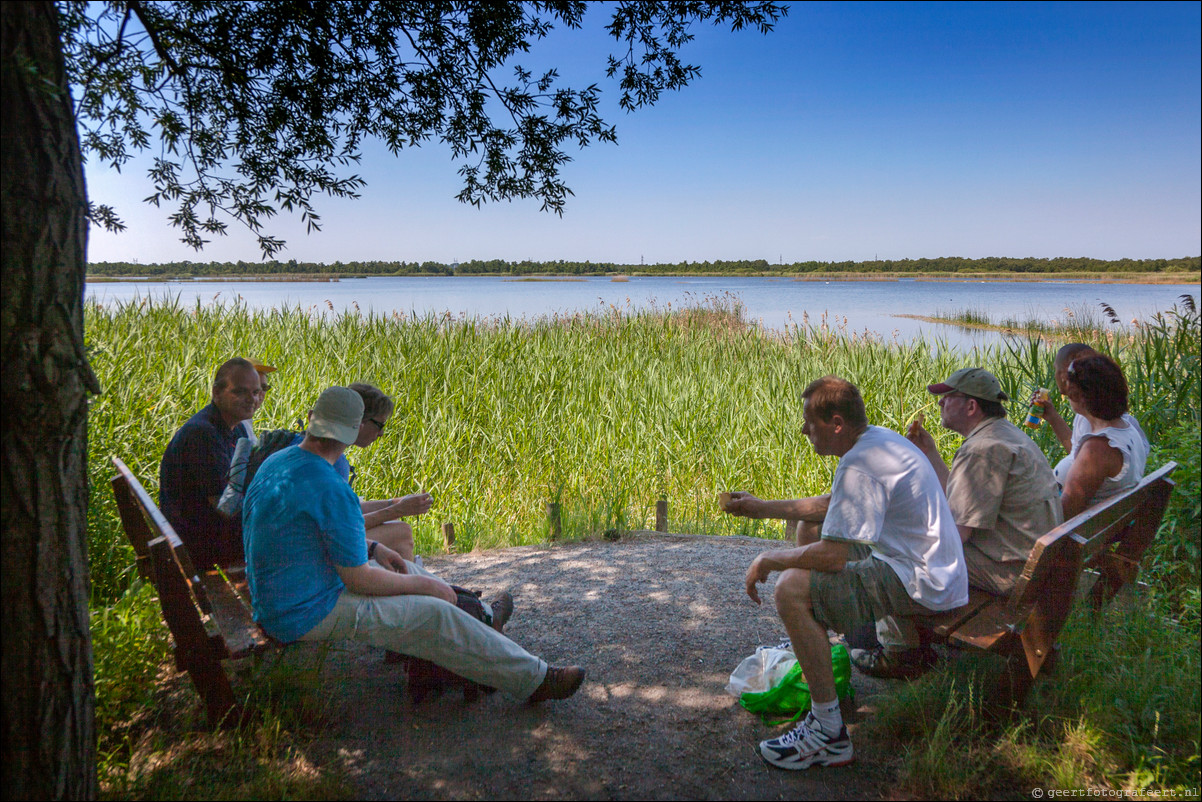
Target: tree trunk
[49, 747]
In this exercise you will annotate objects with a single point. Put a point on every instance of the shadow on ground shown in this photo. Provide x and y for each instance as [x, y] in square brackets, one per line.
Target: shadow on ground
[658, 620]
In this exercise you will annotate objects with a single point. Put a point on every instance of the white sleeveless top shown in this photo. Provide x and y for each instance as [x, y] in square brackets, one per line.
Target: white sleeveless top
[1130, 441]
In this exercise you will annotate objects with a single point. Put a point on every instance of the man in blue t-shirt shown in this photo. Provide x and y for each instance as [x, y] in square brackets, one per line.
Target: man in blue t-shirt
[381, 517]
[195, 465]
[314, 576]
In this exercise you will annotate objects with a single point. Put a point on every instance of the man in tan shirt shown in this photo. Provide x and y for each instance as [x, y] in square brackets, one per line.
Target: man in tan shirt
[1002, 494]
[1000, 486]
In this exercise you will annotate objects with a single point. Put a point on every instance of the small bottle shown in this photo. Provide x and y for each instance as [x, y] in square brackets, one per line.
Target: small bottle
[1036, 412]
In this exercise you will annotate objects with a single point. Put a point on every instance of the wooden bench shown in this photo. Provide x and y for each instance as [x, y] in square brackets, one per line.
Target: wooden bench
[1108, 539]
[208, 612]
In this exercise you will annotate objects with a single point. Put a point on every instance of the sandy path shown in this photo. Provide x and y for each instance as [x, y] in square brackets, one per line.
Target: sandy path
[658, 620]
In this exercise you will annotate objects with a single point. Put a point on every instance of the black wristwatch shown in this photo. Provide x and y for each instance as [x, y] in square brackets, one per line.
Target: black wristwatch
[371, 549]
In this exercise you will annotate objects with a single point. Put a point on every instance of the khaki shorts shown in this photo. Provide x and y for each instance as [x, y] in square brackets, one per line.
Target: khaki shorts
[864, 591]
[990, 575]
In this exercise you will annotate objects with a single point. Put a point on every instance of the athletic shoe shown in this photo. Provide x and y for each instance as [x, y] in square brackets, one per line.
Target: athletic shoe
[894, 663]
[807, 745]
[502, 608]
[560, 683]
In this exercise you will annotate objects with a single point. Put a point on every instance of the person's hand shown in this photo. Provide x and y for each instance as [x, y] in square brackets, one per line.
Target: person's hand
[443, 591]
[758, 572]
[742, 504]
[1046, 403]
[919, 436]
[387, 558]
[413, 504]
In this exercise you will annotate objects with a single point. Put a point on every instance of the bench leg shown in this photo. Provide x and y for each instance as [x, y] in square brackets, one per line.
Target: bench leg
[1015, 681]
[1115, 571]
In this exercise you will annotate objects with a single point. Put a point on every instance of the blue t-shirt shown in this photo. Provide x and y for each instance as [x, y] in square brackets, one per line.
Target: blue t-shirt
[341, 465]
[300, 520]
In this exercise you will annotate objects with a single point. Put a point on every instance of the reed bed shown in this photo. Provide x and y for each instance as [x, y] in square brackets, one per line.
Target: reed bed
[603, 413]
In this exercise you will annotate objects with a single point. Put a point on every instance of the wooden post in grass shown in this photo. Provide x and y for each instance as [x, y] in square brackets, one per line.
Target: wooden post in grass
[661, 515]
[448, 534]
[553, 515]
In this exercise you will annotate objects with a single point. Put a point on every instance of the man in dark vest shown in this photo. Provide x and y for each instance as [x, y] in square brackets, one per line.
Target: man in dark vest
[195, 465]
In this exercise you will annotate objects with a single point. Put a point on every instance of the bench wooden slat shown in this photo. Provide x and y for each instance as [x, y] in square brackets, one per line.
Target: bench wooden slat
[132, 521]
[991, 626]
[941, 625]
[240, 635]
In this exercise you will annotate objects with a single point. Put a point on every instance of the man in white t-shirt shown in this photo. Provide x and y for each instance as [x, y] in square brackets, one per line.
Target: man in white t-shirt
[888, 546]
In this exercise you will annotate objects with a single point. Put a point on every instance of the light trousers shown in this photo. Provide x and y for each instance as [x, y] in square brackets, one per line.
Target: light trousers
[434, 630]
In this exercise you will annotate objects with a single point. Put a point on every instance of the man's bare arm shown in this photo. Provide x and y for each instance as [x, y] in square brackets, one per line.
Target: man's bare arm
[826, 555]
[920, 437]
[745, 505]
[367, 580]
[378, 512]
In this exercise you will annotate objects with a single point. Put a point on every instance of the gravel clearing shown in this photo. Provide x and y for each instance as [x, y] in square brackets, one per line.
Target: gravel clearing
[659, 621]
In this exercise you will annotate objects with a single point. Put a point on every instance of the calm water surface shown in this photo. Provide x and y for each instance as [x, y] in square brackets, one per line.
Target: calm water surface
[871, 306]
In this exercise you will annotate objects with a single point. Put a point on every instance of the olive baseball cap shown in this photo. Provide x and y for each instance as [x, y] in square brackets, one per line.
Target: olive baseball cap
[337, 415]
[977, 382]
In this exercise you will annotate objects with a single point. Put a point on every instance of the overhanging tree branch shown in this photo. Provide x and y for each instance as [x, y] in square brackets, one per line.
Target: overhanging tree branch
[284, 91]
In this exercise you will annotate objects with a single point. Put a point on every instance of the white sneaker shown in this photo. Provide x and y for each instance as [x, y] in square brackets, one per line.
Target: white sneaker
[807, 745]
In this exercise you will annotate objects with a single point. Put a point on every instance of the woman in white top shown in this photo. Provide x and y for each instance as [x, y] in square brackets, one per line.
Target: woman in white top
[1110, 456]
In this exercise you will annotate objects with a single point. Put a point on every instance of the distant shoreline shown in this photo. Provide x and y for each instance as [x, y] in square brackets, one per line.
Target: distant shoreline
[1075, 278]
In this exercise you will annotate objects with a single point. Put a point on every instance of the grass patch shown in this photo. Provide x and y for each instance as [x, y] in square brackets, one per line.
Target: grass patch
[168, 752]
[1120, 711]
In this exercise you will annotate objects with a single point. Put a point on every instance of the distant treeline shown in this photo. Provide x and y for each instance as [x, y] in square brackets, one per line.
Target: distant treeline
[946, 264]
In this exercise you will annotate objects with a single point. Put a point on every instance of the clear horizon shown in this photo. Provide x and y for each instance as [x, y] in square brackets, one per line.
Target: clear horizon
[853, 132]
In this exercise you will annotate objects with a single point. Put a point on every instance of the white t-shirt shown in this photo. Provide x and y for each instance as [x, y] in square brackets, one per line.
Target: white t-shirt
[886, 496]
[1082, 427]
[1130, 441]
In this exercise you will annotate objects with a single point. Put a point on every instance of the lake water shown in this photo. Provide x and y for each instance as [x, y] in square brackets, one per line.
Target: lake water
[775, 303]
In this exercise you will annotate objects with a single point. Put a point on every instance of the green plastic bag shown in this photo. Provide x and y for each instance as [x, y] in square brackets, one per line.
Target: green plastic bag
[789, 699]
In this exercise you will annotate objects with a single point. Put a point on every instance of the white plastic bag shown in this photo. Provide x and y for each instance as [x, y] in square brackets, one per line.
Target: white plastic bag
[762, 670]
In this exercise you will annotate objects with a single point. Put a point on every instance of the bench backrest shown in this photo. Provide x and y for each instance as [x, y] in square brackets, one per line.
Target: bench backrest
[143, 522]
[184, 593]
[1124, 525]
[1115, 536]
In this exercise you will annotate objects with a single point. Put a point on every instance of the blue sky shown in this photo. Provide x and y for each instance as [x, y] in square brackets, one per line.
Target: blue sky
[854, 131]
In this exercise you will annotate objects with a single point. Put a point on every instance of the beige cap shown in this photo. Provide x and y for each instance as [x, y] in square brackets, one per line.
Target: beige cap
[261, 367]
[337, 415]
[977, 382]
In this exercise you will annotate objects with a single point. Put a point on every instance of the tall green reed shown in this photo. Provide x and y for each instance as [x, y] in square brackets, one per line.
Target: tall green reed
[604, 412]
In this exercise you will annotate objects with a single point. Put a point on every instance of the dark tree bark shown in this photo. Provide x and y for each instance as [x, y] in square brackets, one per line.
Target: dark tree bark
[49, 747]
